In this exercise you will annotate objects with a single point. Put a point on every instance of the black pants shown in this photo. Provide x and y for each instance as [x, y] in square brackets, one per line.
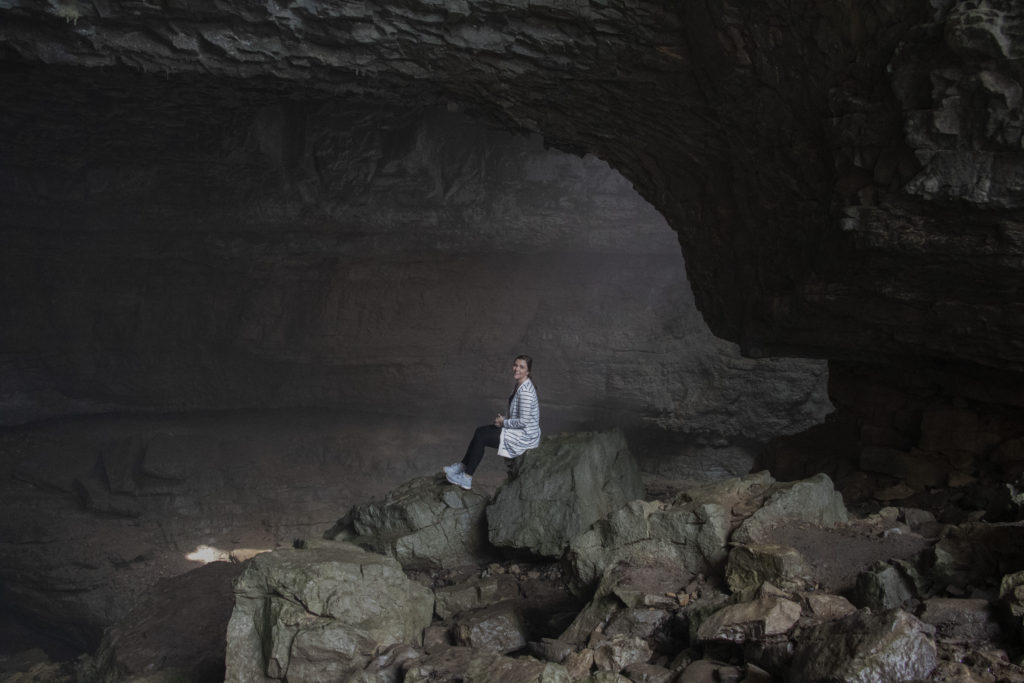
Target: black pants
[488, 435]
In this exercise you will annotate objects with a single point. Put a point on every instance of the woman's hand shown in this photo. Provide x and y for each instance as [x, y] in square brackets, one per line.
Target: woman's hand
[499, 421]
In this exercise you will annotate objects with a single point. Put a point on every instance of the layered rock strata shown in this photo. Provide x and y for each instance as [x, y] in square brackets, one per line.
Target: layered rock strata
[843, 179]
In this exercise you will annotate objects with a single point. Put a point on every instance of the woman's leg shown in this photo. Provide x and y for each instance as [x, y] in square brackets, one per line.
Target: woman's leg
[488, 435]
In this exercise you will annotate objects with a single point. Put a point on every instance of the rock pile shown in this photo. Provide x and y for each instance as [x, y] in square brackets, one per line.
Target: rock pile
[747, 579]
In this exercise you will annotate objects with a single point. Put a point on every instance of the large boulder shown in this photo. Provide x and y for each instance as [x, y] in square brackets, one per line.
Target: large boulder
[692, 536]
[865, 646]
[425, 522]
[694, 528]
[813, 500]
[320, 613]
[560, 488]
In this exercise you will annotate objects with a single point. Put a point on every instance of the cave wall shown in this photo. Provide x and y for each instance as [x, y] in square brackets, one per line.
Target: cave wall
[845, 179]
[318, 254]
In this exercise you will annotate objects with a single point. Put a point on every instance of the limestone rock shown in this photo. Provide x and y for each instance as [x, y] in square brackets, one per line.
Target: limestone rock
[474, 593]
[692, 536]
[606, 677]
[827, 607]
[461, 663]
[883, 586]
[425, 522]
[637, 622]
[320, 611]
[692, 530]
[497, 628]
[865, 646]
[620, 651]
[1011, 599]
[748, 621]
[560, 488]
[812, 500]
[750, 566]
[579, 663]
[551, 650]
[648, 673]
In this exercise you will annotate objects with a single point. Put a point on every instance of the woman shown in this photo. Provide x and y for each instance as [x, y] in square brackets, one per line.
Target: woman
[512, 435]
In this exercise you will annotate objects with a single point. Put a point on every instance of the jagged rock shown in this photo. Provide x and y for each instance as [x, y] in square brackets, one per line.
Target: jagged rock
[386, 667]
[618, 599]
[590, 619]
[827, 607]
[177, 631]
[462, 663]
[648, 673]
[560, 488]
[692, 536]
[497, 628]
[436, 638]
[475, 593]
[1011, 599]
[693, 529]
[551, 650]
[579, 663]
[606, 677]
[750, 566]
[747, 621]
[425, 522]
[320, 612]
[865, 646]
[812, 500]
[960, 618]
[619, 651]
[636, 622]
[883, 586]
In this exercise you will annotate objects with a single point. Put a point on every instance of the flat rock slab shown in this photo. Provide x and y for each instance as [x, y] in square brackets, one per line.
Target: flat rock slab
[750, 621]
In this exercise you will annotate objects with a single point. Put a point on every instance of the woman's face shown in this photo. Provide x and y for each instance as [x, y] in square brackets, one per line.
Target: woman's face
[519, 370]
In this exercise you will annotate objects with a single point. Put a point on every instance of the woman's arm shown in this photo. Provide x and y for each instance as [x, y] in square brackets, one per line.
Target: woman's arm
[525, 409]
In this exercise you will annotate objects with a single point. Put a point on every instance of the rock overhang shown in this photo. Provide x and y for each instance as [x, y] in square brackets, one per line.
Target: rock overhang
[831, 196]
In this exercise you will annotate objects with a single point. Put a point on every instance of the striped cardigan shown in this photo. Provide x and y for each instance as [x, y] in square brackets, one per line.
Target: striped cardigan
[521, 430]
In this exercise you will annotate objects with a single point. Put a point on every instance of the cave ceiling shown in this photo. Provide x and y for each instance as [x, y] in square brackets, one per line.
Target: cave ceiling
[846, 179]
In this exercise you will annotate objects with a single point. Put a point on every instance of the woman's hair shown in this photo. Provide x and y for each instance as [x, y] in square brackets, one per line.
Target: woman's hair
[529, 362]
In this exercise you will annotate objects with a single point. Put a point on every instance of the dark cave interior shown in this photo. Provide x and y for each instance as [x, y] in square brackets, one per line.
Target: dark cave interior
[293, 247]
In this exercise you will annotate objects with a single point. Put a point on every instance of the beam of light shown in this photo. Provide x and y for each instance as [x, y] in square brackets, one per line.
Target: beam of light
[208, 553]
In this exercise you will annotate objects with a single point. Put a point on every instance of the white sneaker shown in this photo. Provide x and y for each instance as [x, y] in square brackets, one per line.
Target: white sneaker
[460, 479]
[457, 468]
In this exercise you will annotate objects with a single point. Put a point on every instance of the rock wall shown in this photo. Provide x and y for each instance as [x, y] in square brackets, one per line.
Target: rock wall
[328, 256]
[845, 179]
